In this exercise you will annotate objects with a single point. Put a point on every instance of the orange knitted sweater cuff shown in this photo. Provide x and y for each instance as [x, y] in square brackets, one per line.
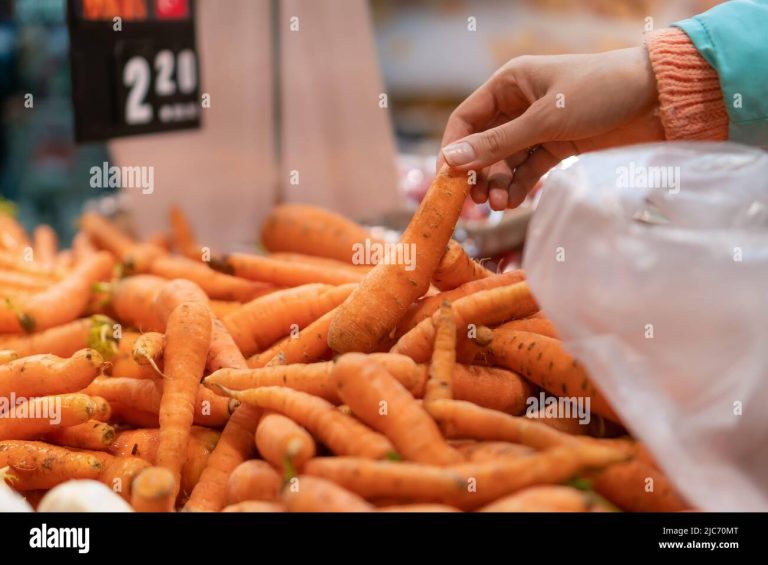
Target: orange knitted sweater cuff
[691, 102]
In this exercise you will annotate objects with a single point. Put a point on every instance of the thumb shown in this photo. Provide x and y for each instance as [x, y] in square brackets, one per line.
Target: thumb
[492, 145]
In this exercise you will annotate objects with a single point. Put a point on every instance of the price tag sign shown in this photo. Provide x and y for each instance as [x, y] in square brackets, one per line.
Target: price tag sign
[135, 68]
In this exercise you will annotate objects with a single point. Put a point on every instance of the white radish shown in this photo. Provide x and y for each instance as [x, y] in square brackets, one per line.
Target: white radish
[82, 496]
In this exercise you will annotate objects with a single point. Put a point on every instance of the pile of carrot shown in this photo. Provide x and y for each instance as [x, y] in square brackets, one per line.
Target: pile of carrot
[298, 380]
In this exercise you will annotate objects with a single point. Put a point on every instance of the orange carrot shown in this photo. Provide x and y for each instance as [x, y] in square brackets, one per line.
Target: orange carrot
[340, 433]
[281, 273]
[421, 508]
[13, 237]
[46, 245]
[24, 282]
[60, 303]
[89, 435]
[480, 451]
[380, 401]
[160, 240]
[148, 350]
[486, 307]
[261, 322]
[491, 387]
[536, 325]
[102, 411]
[42, 414]
[214, 284]
[223, 308]
[133, 300]
[443, 363]
[313, 494]
[37, 465]
[188, 338]
[124, 365]
[254, 506]
[136, 257]
[307, 346]
[320, 261]
[82, 247]
[302, 228]
[128, 415]
[285, 444]
[182, 236]
[13, 262]
[544, 361]
[41, 375]
[457, 268]
[253, 480]
[548, 498]
[63, 340]
[153, 490]
[425, 307]
[202, 442]
[382, 298]
[118, 473]
[573, 424]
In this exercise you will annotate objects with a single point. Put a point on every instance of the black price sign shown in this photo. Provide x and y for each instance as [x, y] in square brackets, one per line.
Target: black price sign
[135, 68]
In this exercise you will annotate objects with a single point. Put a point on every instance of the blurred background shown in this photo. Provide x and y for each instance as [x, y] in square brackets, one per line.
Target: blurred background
[344, 109]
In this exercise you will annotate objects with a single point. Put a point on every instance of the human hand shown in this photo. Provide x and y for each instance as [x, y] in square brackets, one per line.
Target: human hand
[561, 105]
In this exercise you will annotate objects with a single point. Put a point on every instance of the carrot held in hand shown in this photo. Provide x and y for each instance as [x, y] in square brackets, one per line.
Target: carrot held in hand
[443, 363]
[382, 298]
[188, 337]
[545, 362]
[380, 401]
[285, 444]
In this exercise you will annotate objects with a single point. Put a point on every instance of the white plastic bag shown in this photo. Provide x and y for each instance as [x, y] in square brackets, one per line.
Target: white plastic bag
[662, 293]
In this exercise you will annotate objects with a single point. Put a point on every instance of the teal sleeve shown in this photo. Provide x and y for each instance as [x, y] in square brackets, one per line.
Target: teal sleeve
[733, 38]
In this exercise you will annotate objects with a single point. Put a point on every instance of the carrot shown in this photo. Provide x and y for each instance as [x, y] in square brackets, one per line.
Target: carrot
[214, 284]
[253, 480]
[309, 344]
[41, 375]
[202, 442]
[123, 363]
[82, 247]
[188, 338]
[302, 228]
[486, 307]
[596, 427]
[13, 236]
[153, 490]
[128, 415]
[12, 262]
[7, 355]
[480, 451]
[491, 387]
[60, 303]
[224, 351]
[321, 261]
[544, 361]
[315, 378]
[474, 350]
[234, 447]
[639, 486]
[89, 435]
[314, 494]
[118, 473]
[380, 401]
[443, 363]
[457, 268]
[148, 350]
[281, 273]
[23, 282]
[42, 414]
[102, 411]
[284, 444]
[64, 340]
[549, 498]
[222, 308]
[382, 298]
[136, 257]
[45, 246]
[338, 432]
[160, 240]
[424, 507]
[460, 419]
[254, 506]
[536, 325]
[182, 236]
[145, 395]
[176, 292]
[259, 323]
[425, 307]
[133, 300]
[37, 465]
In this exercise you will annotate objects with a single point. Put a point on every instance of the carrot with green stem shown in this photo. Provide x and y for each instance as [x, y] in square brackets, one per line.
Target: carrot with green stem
[136, 257]
[379, 400]
[314, 494]
[188, 335]
[281, 273]
[340, 433]
[60, 303]
[486, 307]
[153, 490]
[215, 284]
[45, 246]
[457, 268]
[443, 362]
[284, 443]
[253, 480]
[261, 322]
[96, 332]
[40, 415]
[148, 350]
[92, 434]
[382, 298]
[545, 362]
[425, 307]
[41, 375]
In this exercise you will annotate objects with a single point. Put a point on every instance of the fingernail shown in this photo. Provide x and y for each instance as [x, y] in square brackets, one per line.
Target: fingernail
[459, 153]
